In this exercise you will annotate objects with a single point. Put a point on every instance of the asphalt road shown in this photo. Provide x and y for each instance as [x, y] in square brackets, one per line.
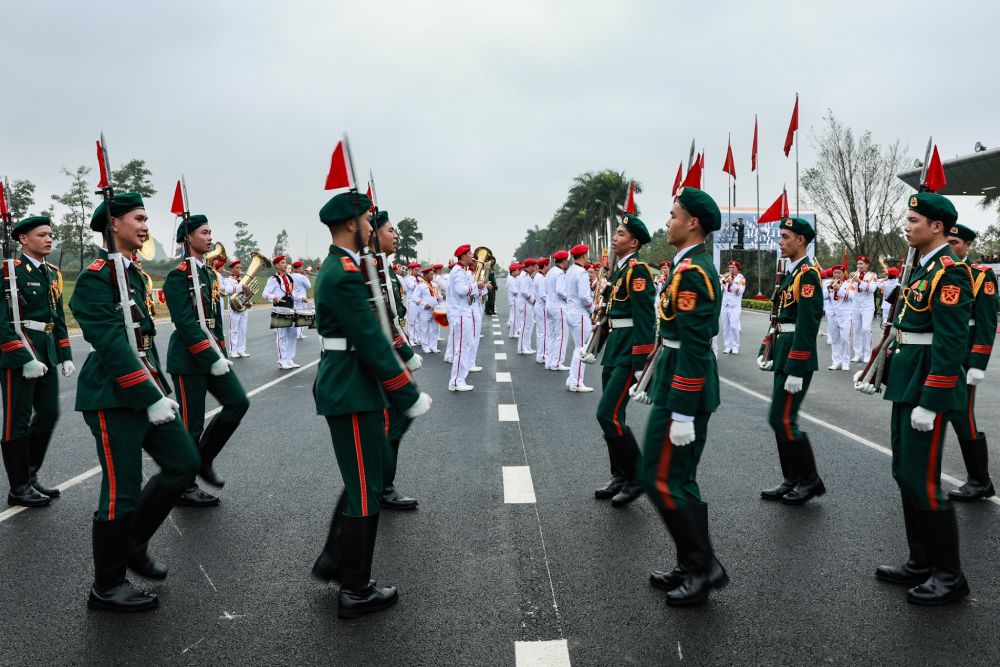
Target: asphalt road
[558, 577]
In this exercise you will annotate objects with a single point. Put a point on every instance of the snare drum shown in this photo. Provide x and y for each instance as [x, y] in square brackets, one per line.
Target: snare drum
[282, 317]
[305, 317]
[441, 315]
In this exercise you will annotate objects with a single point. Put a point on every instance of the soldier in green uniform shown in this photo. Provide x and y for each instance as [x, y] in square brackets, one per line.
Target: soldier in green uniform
[926, 382]
[27, 372]
[396, 422]
[685, 394]
[982, 332]
[793, 361]
[197, 359]
[631, 322]
[124, 402]
[359, 375]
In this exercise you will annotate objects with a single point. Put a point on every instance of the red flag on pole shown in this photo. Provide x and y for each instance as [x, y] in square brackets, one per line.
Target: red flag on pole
[100, 163]
[338, 177]
[730, 166]
[177, 206]
[753, 150]
[935, 173]
[3, 202]
[630, 200]
[678, 178]
[793, 127]
[693, 178]
[777, 210]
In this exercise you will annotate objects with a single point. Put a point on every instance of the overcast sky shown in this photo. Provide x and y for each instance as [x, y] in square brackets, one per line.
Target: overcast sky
[474, 116]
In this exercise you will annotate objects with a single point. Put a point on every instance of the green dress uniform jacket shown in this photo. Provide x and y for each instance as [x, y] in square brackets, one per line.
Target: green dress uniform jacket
[190, 351]
[983, 329]
[632, 297]
[801, 305]
[40, 289]
[111, 376]
[368, 375]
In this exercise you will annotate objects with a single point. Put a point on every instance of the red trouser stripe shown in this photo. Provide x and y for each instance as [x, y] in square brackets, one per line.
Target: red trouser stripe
[932, 471]
[618, 405]
[663, 470]
[972, 415]
[385, 412]
[786, 417]
[184, 403]
[109, 464]
[361, 465]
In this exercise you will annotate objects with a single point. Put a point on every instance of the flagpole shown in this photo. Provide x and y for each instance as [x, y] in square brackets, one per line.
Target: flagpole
[796, 156]
[757, 172]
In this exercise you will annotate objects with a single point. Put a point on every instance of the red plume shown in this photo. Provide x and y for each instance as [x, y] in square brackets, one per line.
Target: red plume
[935, 179]
[338, 176]
[177, 206]
[630, 200]
[677, 179]
[777, 210]
[100, 163]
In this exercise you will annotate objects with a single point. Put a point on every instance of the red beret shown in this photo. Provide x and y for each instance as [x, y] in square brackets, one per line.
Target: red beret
[462, 249]
[297, 264]
[733, 262]
[665, 262]
[413, 265]
[862, 258]
[560, 255]
[893, 272]
[277, 259]
[234, 263]
[518, 266]
[531, 261]
[438, 266]
[579, 249]
[218, 261]
[827, 273]
[543, 261]
[427, 268]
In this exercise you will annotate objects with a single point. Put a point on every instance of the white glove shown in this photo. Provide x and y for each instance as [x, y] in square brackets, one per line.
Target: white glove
[793, 384]
[67, 368]
[922, 419]
[162, 411]
[422, 405]
[638, 375]
[863, 387]
[974, 376]
[681, 433]
[220, 366]
[34, 369]
[415, 362]
[764, 365]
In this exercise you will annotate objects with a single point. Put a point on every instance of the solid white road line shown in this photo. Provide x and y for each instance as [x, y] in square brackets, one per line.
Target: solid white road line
[845, 433]
[503, 377]
[501, 356]
[554, 653]
[6, 514]
[508, 412]
[517, 485]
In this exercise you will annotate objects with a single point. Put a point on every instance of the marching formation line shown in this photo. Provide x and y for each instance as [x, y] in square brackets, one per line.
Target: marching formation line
[517, 485]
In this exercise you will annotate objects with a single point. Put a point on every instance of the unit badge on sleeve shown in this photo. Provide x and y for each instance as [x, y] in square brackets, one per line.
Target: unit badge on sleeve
[950, 294]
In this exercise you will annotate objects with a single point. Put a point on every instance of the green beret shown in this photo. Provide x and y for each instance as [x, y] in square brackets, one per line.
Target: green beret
[799, 226]
[961, 231]
[26, 225]
[193, 223]
[121, 203]
[343, 207]
[383, 218]
[636, 227]
[699, 204]
[935, 207]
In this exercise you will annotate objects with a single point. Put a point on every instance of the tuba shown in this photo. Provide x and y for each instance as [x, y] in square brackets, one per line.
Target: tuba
[218, 251]
[244, 300]
[484, 260]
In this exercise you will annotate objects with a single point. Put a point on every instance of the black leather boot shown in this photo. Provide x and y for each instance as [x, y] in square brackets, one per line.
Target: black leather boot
[787, 471]
[668, 580]
[809, 484]
[111, 591]
[617, 481]
[628, 458]
[947, 583]
[917, 569]
[977, 463]
[359, 594]
[38, 445]
[327, 566]
[215, 437]
[154, 506]
[196, 497]
[689, 524]
[392, 498]
[15, 461]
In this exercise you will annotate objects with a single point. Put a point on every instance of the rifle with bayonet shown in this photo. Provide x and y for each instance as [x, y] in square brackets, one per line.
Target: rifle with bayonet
[15, 301]
[382, 264]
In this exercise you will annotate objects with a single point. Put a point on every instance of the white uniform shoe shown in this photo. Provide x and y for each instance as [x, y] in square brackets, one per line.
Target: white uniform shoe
[845, 366]
[475, 369]
[835, 367]
[292, 364]
[735, 350]
[244, 354]
[582, 388]
[561, 367]
[461, 387]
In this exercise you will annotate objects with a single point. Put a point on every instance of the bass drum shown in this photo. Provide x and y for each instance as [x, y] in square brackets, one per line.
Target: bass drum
[441, 315]
[305, 317]
[282, 317]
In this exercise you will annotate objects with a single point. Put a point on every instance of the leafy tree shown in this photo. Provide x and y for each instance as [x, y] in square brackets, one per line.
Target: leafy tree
[134, 176]
[281, 244]
[21, 197]
[77, 199]
[245, 243]
[409, 237]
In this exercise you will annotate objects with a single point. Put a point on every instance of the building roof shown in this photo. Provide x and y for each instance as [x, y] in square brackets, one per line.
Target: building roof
[973, 174]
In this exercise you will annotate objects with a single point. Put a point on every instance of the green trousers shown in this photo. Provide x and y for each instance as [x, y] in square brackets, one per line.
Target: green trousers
[360, 445]
[29, 405]
[615, 383]
[784, 413]
[396, 425]
[964, 421]
[916, 459]
[226, 389]
[122, 435]
[668, 472]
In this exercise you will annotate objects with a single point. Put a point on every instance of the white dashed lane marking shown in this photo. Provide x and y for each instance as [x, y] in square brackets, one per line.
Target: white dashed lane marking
[498, 342]
[554, 653]
[503, 377]
[501, 356]
[508, 412]
[517, 486]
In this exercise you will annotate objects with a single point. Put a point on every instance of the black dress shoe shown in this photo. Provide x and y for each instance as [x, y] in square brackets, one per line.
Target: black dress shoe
[627, 495]
[946, 584]
[695, 586]
[689, 527]
[785, 458]
[942, 587]
[907, 574]
[38, 445]
[195, 497]
[972, 491]
[140, 562]
[354, 602]
[978, 485]
[27, 496]
[392, 499]
[804, 492]
[45, 490]
[111, 591]
[777, 492]
[122, 597]
[609, 490]
[667, 580]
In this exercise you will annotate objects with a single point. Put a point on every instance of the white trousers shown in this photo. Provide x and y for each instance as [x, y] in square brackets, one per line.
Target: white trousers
[477, 330]
[238, 331]
[433, 333]
[541, 332]
[861, 321]
[424, 320]
[412, 315]
[460, 332]
[578, 331]
[731, 326]
[838, 327]
[511, 317]
[449, 351]
[286, 344]
[555, 346]
[525, 325]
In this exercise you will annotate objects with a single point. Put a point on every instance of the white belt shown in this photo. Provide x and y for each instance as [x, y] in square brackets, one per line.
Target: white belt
[909, 338]
[972, 323]
[620, 323]
[34, 325]
[786, 328]
[336, 344]
[672, 344]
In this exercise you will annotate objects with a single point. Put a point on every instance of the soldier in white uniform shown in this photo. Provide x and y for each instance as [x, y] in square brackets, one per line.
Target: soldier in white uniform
[579, 306]
[733, 286]
[886, 286]
[863, 284]
[434, 329]
[541, 316]
[425, 298]
[461, 293]
[279, 292]
[409, 287]
[555, 312]
[838, 319]
[300, 293]
[514, 269]
[526, 306]
[478, 306]
[237, 320]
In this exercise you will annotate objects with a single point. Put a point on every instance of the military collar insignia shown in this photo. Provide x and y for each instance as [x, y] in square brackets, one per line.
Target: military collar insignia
[930, 267]
[97, 265]
[947, 261]
[349, 265]
[183, 266]
[632, 262]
